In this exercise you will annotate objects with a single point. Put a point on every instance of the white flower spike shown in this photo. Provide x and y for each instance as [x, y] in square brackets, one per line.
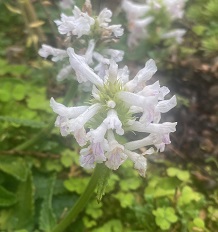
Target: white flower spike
[112, 114]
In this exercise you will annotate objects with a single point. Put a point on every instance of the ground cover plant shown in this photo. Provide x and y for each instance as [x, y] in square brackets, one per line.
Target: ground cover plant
[96, 89]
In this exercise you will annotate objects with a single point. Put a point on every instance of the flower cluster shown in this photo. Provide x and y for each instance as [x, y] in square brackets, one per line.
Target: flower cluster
[139, 18]
[119, 105]
[97, 29]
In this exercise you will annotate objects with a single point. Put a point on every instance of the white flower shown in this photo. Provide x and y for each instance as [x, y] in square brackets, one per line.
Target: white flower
[79, 24]
[83, 71]
[57, 54]
[104, 17]
[116, 100]
[115, 155]
[145, 74]
[66, 4]
[87, 159]
[175, 8]
[64, 73]
[138, 30]
[134, 10]
[177, 34]
[140, 162]
[117, 30]
[113, 122]
[69, 112]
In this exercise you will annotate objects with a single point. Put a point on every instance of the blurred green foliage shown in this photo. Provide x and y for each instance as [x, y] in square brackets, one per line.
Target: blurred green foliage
[202, 19]
[40, 184]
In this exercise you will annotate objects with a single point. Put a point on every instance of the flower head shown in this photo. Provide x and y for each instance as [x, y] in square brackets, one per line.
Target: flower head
[116, 100]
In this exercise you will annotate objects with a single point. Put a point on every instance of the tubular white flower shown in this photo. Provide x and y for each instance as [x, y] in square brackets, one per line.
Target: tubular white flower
[112, 72]
[140, 162]
[98, 134]
[138, 30]
[83, 71]
[79, 24]
[163, 128]
[150, 90]
[64, 73]
[166, 105]
[69, 112]
[116, 55]
[115, 155]
[104, 17]
[177, 34]
[142, 76]
[82, 119]
[98, 150]
[147, 141]
[87, 159]
[80, 136]
[123, 75]
[57, 54]
[113, 122]
[175, 8]
[134, 10]
[117, 30]
[62, 123]
[132, 99]
[89, 52]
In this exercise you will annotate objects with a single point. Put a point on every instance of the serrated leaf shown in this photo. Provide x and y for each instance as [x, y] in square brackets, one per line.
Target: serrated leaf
[47, 219]
[36, 24]
[103, 182]
[21, 215]
[14, 166]
[7, 198]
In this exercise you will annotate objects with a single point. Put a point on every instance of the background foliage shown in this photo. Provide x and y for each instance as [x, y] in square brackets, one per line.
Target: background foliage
[40, 178]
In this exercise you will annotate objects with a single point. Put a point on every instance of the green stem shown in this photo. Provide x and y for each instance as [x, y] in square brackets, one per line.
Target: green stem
[70, 93]
[82, 201]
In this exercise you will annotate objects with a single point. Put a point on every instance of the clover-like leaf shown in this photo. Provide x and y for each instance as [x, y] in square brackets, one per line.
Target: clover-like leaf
[164, 217]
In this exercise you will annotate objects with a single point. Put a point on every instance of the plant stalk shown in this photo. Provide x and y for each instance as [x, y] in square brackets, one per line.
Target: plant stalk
[82, 201]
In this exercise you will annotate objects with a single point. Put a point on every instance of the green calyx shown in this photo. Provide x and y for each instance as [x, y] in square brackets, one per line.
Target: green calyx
[109, 92]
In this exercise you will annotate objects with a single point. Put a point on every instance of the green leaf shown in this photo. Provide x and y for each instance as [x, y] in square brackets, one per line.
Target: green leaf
[66, 160]
[180, 174]
[47, 219]
[103, 182]
[19, 92]
[126, 199]
[94, 209]
[188, 195]
[7, 198]
[14, 166]
[164, 217]
[5, 95]
[22, 122]
[160, 187]
[21, 215]
[199, 223]
[130, 184]
[77, 185]
[113, 225]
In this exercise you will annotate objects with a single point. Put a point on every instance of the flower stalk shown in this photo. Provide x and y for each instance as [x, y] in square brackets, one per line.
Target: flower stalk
[82, 201]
